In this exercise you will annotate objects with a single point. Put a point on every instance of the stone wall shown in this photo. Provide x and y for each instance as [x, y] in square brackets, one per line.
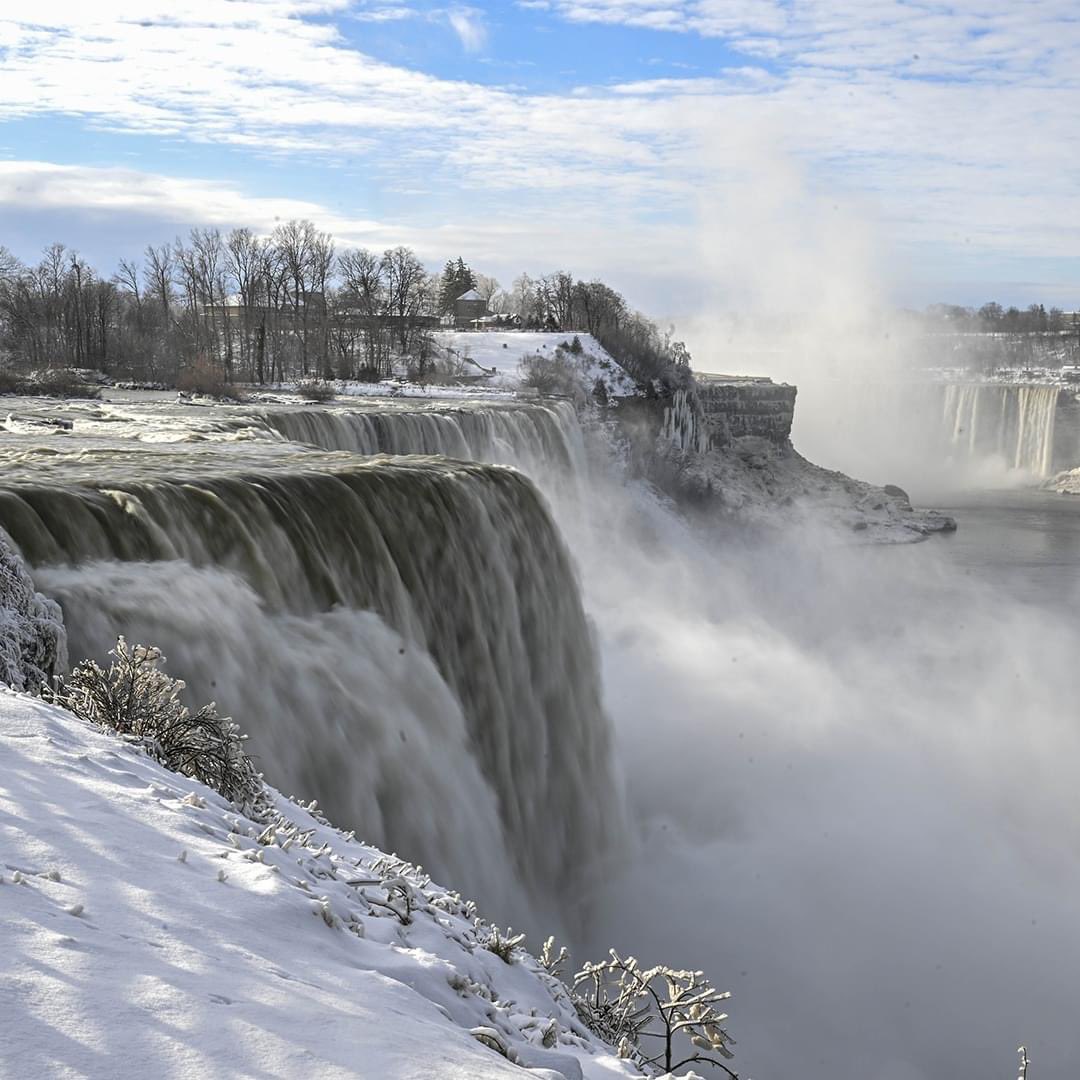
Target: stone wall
[735, 406]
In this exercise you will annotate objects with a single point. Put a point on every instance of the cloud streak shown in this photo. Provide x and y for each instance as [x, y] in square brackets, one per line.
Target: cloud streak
[468, 24]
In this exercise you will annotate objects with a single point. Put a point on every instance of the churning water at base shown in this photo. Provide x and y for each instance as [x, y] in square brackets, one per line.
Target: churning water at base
[854, 772]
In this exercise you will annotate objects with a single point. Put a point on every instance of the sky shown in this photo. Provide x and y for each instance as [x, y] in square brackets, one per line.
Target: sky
[675, 148]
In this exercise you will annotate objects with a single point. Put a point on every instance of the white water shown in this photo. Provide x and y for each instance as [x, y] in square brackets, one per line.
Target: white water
[853, 772]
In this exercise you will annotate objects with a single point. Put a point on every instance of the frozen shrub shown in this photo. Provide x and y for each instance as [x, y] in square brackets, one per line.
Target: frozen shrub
[625, 1003]
[552, 375]
[137, 700]
[59, 382]
[315, 390]
[10, 382]
[551, 961]
[62, 383]
[208, 379]
[502, 945]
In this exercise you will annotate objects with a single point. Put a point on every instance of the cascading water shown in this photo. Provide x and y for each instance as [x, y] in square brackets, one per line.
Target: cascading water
[1010, 423]
[546, 436]
[403, 638]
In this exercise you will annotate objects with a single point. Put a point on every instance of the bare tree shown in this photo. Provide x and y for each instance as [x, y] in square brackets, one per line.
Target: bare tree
[408, 294]
[307, 256]
[158, 276]
[364, 301]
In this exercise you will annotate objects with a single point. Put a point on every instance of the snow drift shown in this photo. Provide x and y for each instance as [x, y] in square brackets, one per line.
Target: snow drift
[151, 930]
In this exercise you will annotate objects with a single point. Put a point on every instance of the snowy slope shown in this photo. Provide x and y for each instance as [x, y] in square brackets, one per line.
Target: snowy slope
[504, 351]
[147, 930]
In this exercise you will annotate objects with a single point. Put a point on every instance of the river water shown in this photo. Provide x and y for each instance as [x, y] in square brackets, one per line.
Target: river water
[1024, 542]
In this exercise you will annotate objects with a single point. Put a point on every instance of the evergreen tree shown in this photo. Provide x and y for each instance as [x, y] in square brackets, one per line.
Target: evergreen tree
[457, 278]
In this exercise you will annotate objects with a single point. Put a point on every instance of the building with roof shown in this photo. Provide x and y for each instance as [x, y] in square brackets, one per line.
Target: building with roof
[468, 308]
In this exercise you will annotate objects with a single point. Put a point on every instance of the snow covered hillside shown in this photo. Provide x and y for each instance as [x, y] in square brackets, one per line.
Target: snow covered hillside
[503, 351]
[148, 930]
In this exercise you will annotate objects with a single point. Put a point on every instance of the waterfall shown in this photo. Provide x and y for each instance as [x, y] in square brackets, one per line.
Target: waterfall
[404, 639]
[538, 437]
[1011, 423]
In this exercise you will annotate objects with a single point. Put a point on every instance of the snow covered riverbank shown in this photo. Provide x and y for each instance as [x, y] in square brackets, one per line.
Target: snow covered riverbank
[149, 930]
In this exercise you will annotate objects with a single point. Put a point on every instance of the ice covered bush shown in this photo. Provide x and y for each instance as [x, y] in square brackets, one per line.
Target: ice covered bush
[502, 945]
[33, 645]
[556, 374]
[137, 700]
[624, 1004]
[207, 378]
[315, 390]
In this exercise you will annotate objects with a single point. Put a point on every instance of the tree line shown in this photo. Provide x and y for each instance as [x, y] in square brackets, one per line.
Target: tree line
[267, 309]
[992, 318]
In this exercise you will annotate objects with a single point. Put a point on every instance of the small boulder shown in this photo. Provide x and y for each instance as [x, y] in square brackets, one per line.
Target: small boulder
[897, 493]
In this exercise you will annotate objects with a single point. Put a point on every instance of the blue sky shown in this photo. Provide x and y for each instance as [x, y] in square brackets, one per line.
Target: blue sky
[722, 153]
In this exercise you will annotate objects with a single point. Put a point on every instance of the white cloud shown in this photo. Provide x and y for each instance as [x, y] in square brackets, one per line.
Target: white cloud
[384, 13]
[996, 40]
[468, 24]
[173, 201]
[503, 244]
[262, 76]
[971, 147]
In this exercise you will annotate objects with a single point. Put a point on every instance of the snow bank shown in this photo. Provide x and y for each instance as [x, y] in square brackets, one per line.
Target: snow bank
[150, 930]
[503, 351]
[32, 639]
[1064, 483]
[400, 388]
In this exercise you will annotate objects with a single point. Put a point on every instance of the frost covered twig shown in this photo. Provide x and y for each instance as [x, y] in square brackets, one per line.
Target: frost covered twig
[1024, 1062]
[625, 1000]
[502, 945]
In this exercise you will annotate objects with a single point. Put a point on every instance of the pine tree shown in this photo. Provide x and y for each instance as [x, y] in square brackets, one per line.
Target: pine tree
[457, 278]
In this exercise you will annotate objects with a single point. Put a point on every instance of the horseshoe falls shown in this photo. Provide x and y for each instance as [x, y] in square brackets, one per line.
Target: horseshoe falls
[1013, 424]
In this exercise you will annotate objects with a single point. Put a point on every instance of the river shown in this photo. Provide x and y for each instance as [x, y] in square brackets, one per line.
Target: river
[1025, 542]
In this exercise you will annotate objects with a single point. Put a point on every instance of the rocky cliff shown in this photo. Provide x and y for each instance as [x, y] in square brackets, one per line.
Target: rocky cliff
[734, 407]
